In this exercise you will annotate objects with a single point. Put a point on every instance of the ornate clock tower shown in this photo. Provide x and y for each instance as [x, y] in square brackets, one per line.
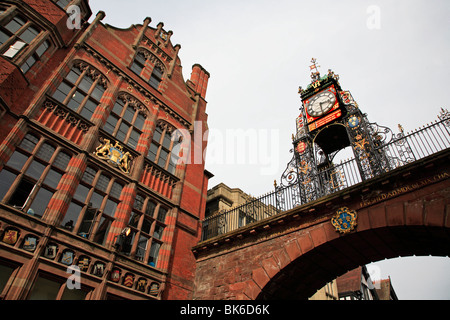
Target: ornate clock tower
[329, 121]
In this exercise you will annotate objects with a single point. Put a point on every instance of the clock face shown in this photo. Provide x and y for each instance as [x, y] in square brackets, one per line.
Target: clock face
[321, 104]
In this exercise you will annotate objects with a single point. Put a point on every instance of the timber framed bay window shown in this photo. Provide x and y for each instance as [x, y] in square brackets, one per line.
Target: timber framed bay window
[31, 176]
[82, 89]
[93, 206]
[145, 60]
[165, 147]
[21, 40]
[147, 224]
[126, 120]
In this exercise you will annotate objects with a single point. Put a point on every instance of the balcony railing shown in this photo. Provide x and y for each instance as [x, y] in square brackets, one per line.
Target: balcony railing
[401, 150]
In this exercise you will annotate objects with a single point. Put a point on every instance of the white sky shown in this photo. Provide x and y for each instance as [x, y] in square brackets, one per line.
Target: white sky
[258, 53]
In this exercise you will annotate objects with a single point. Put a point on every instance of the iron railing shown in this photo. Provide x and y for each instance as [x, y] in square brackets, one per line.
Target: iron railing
[399, 151]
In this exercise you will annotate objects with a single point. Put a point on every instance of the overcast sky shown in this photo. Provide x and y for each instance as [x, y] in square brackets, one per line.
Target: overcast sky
[392, 55]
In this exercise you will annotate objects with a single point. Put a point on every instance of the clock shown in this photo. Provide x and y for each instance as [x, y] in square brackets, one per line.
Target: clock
[321, 104]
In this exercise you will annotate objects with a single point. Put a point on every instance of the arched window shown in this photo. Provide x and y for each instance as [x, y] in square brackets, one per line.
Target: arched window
[126, 120]
[82, 89]
[146, 60]
[162, 149]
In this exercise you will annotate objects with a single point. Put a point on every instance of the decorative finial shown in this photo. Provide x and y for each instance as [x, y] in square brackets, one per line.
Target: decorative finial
[400, 128]
[315, 75]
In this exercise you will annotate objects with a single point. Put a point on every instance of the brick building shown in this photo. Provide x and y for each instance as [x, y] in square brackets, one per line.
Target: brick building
[94, 123]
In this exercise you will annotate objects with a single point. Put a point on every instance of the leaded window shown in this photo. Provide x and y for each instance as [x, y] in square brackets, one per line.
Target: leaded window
[147, 224]
[32, 174]
[146, 60]
[164, 149]
[81, 90]
[126, 121]
[93, 206]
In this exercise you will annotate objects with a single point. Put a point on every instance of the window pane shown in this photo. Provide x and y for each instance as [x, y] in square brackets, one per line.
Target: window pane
[29, 142]
[140, 57]
[73, 75]
[89, 175]
[52, 179]
[15, 24]
[138, 202]
[73, 294]
[166, 141]
[71, 217]
[146, 226]
[28, 64]
[62, 160]
[41, 201]
[134, 219]
[116, 190]
[45, 152]
[129, 114]
[85, 84]
[142, 246]
[62, 92]
[110, 124]
[81, 193]
[162, 158]
[35, 170]
[110, 208]
[42, 48]
[29, 34]
[152, 152]
[21, 193]
[134, 138]
[88, 109]
[118, 106]
[96, 200]
[157, 134]
[44, 289]
[136, 67]
[97, 93]
[123, 130]
[14, 49]
[150, 208]
[102, 231]
[17, 160]
[86, 224]
[154, 251]
[162, 215]
[139, 122]
[103, 182]
[6, 180]
[76, 100]
[158, 232]
[3, 37]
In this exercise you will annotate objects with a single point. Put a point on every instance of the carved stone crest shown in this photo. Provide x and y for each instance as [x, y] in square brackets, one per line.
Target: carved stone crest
[114, 155]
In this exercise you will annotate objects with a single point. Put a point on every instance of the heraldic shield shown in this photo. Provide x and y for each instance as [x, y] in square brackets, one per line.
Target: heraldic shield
[344, 220]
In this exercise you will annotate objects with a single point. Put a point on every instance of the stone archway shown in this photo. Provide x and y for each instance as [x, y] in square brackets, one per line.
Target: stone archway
[292, 255]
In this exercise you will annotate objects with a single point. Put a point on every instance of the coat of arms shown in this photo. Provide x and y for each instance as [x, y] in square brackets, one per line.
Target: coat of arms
[344, 220]
[67, 257]
[129, 280]
[115, 275]
[114, 155]
[30, 243]
[50, 251]
[10, 236]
